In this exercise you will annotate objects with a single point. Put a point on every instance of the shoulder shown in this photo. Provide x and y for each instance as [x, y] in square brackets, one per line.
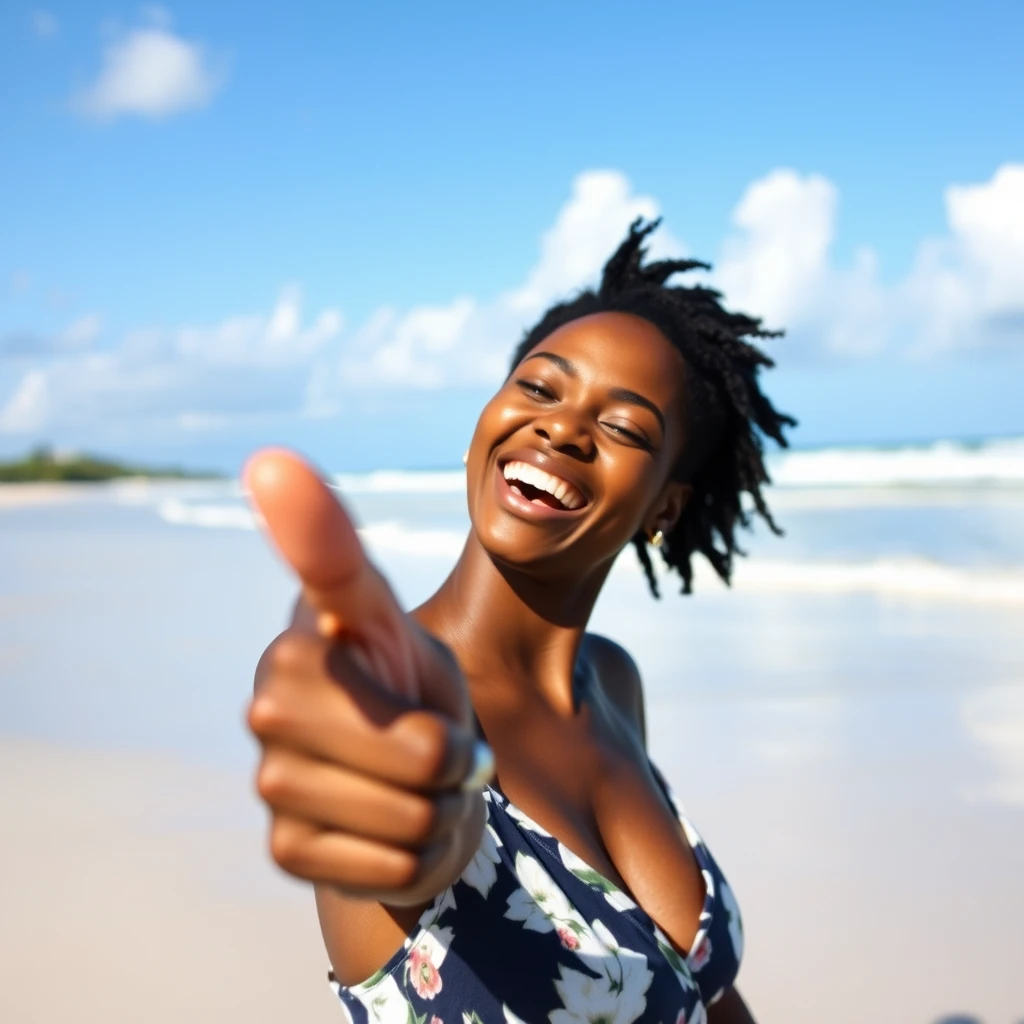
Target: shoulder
[619, 677]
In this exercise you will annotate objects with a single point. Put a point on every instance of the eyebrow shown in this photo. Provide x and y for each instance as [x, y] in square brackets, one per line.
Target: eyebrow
[619, 394]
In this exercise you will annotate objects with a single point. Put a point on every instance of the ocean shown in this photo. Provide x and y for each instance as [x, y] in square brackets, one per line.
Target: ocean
[845, 723]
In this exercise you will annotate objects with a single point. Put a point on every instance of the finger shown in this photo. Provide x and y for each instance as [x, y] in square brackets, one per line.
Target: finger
[338, 798]
[317, 539]
[359, 865]
[356, 724]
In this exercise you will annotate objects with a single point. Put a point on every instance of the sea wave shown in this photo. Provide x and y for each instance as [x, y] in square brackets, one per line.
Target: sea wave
[997, 462]
[217, 517]
[943, 463]
[909, 578]
[402, 481]
[915, 579]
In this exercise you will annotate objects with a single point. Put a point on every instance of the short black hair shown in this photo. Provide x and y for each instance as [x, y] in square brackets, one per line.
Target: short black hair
[724, 456]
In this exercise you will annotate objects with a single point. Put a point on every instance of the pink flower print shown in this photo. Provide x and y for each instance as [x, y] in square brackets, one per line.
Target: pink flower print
[434, 1019]
[701, 954]
[569, 938]
[681, 1019]
[425, 977]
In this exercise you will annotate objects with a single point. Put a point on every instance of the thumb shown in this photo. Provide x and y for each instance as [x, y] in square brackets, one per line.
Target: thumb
[316, 537]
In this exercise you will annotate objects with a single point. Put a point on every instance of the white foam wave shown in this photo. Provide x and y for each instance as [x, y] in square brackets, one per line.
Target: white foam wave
[911, 579]
[399, 539]
[217, 517]
[950, 463]
[387, 536]
[400, 481]
[942, 463]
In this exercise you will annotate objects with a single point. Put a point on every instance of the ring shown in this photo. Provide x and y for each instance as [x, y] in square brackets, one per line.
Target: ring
[481, 771]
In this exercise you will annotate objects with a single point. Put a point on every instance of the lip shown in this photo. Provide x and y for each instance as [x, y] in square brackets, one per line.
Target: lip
[524, 507]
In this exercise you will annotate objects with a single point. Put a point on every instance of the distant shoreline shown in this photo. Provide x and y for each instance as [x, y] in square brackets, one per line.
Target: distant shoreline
[43, 466]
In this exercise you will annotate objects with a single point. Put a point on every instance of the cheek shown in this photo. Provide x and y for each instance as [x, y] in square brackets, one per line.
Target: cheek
[631, 482]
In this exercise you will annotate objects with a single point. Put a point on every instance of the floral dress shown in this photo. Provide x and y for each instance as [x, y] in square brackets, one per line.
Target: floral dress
[531, 933]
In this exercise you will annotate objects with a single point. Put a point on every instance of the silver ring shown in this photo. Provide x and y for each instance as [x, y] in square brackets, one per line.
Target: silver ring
[481, 771]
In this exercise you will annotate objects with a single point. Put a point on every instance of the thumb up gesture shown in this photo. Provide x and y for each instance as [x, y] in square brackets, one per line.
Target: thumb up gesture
[370, 765]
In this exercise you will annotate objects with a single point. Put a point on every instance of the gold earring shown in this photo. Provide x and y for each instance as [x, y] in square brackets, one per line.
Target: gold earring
[657, 539]
[465, 457]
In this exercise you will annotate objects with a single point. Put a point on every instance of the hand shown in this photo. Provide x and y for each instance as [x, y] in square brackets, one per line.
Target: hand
[370, 765]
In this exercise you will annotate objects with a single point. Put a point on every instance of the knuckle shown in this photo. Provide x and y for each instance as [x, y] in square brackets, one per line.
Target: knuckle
[287, 847]
[273, 780]
[429, 747]
[290, 652]
[401, 871]
[268, 713]
[423, 820]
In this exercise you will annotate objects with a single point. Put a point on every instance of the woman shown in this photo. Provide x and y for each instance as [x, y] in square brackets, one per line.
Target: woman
[571, 888]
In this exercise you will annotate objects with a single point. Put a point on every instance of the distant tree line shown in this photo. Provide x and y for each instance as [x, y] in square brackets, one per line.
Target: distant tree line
[42, 464]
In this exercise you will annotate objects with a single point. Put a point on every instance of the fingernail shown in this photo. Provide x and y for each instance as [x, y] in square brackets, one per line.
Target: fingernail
[481, 771]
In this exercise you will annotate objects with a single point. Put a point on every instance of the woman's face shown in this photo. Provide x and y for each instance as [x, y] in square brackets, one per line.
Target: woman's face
[574, 454]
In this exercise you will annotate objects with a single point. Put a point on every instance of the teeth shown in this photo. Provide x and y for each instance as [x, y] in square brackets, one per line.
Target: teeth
[559, 489]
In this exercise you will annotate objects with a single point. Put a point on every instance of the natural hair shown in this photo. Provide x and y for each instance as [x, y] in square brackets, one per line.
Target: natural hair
[727, 410]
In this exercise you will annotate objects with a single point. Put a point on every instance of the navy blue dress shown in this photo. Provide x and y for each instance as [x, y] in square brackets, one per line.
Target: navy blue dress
[530, 933]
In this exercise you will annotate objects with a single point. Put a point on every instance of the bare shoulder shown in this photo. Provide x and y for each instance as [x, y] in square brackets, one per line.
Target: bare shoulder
[619, 677]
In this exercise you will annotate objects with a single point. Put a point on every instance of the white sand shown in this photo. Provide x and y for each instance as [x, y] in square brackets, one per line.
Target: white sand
[136, 888]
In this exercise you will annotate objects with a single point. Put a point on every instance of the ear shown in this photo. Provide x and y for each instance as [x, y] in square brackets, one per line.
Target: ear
[665, 512]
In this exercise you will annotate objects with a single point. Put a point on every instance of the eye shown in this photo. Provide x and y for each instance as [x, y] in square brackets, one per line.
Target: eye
[629, 435]
[534, 389]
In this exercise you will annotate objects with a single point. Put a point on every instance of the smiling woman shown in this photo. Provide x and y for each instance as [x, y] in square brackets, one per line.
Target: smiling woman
[417, 766]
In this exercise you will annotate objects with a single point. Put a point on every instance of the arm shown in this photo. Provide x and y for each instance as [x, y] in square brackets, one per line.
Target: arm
[366, 738]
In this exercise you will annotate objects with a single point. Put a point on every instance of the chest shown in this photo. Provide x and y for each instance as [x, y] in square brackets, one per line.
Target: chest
[588, 783]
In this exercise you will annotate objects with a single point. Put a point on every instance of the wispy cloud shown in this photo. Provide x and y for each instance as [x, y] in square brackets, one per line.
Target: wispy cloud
[78, 336]
[150, 72]
[43, 24]
[964, 291]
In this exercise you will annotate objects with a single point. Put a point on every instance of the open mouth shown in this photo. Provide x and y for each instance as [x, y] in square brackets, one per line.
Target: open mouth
[541, 488]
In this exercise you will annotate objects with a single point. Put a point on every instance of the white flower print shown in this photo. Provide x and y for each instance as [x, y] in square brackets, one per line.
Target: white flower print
[387, 1005]
[525, 821]
[510, 1017]
[587, 1000]
[698, 1015]
[625, 969]
[481, 872]
[675, 961]
[539, 903]
[619, 900]
[732, 908]
[442, 901]
[692, 835]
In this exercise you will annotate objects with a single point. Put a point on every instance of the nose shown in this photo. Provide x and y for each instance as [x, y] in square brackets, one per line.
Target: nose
[566, 433]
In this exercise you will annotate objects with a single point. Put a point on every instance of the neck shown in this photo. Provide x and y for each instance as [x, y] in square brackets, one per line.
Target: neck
[511, 630]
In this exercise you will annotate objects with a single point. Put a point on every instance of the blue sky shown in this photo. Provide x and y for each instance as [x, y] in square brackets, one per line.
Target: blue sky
[327, 224]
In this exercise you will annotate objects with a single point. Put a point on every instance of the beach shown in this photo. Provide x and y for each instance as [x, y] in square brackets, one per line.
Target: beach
[845, 727]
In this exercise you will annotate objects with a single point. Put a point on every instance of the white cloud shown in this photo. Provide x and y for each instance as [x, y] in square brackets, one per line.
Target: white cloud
[587, 229]
[150, 72]
[196, 376]
[43, 24]
[277, 339]
[965, 289]
[468, 342]
[80, 333]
